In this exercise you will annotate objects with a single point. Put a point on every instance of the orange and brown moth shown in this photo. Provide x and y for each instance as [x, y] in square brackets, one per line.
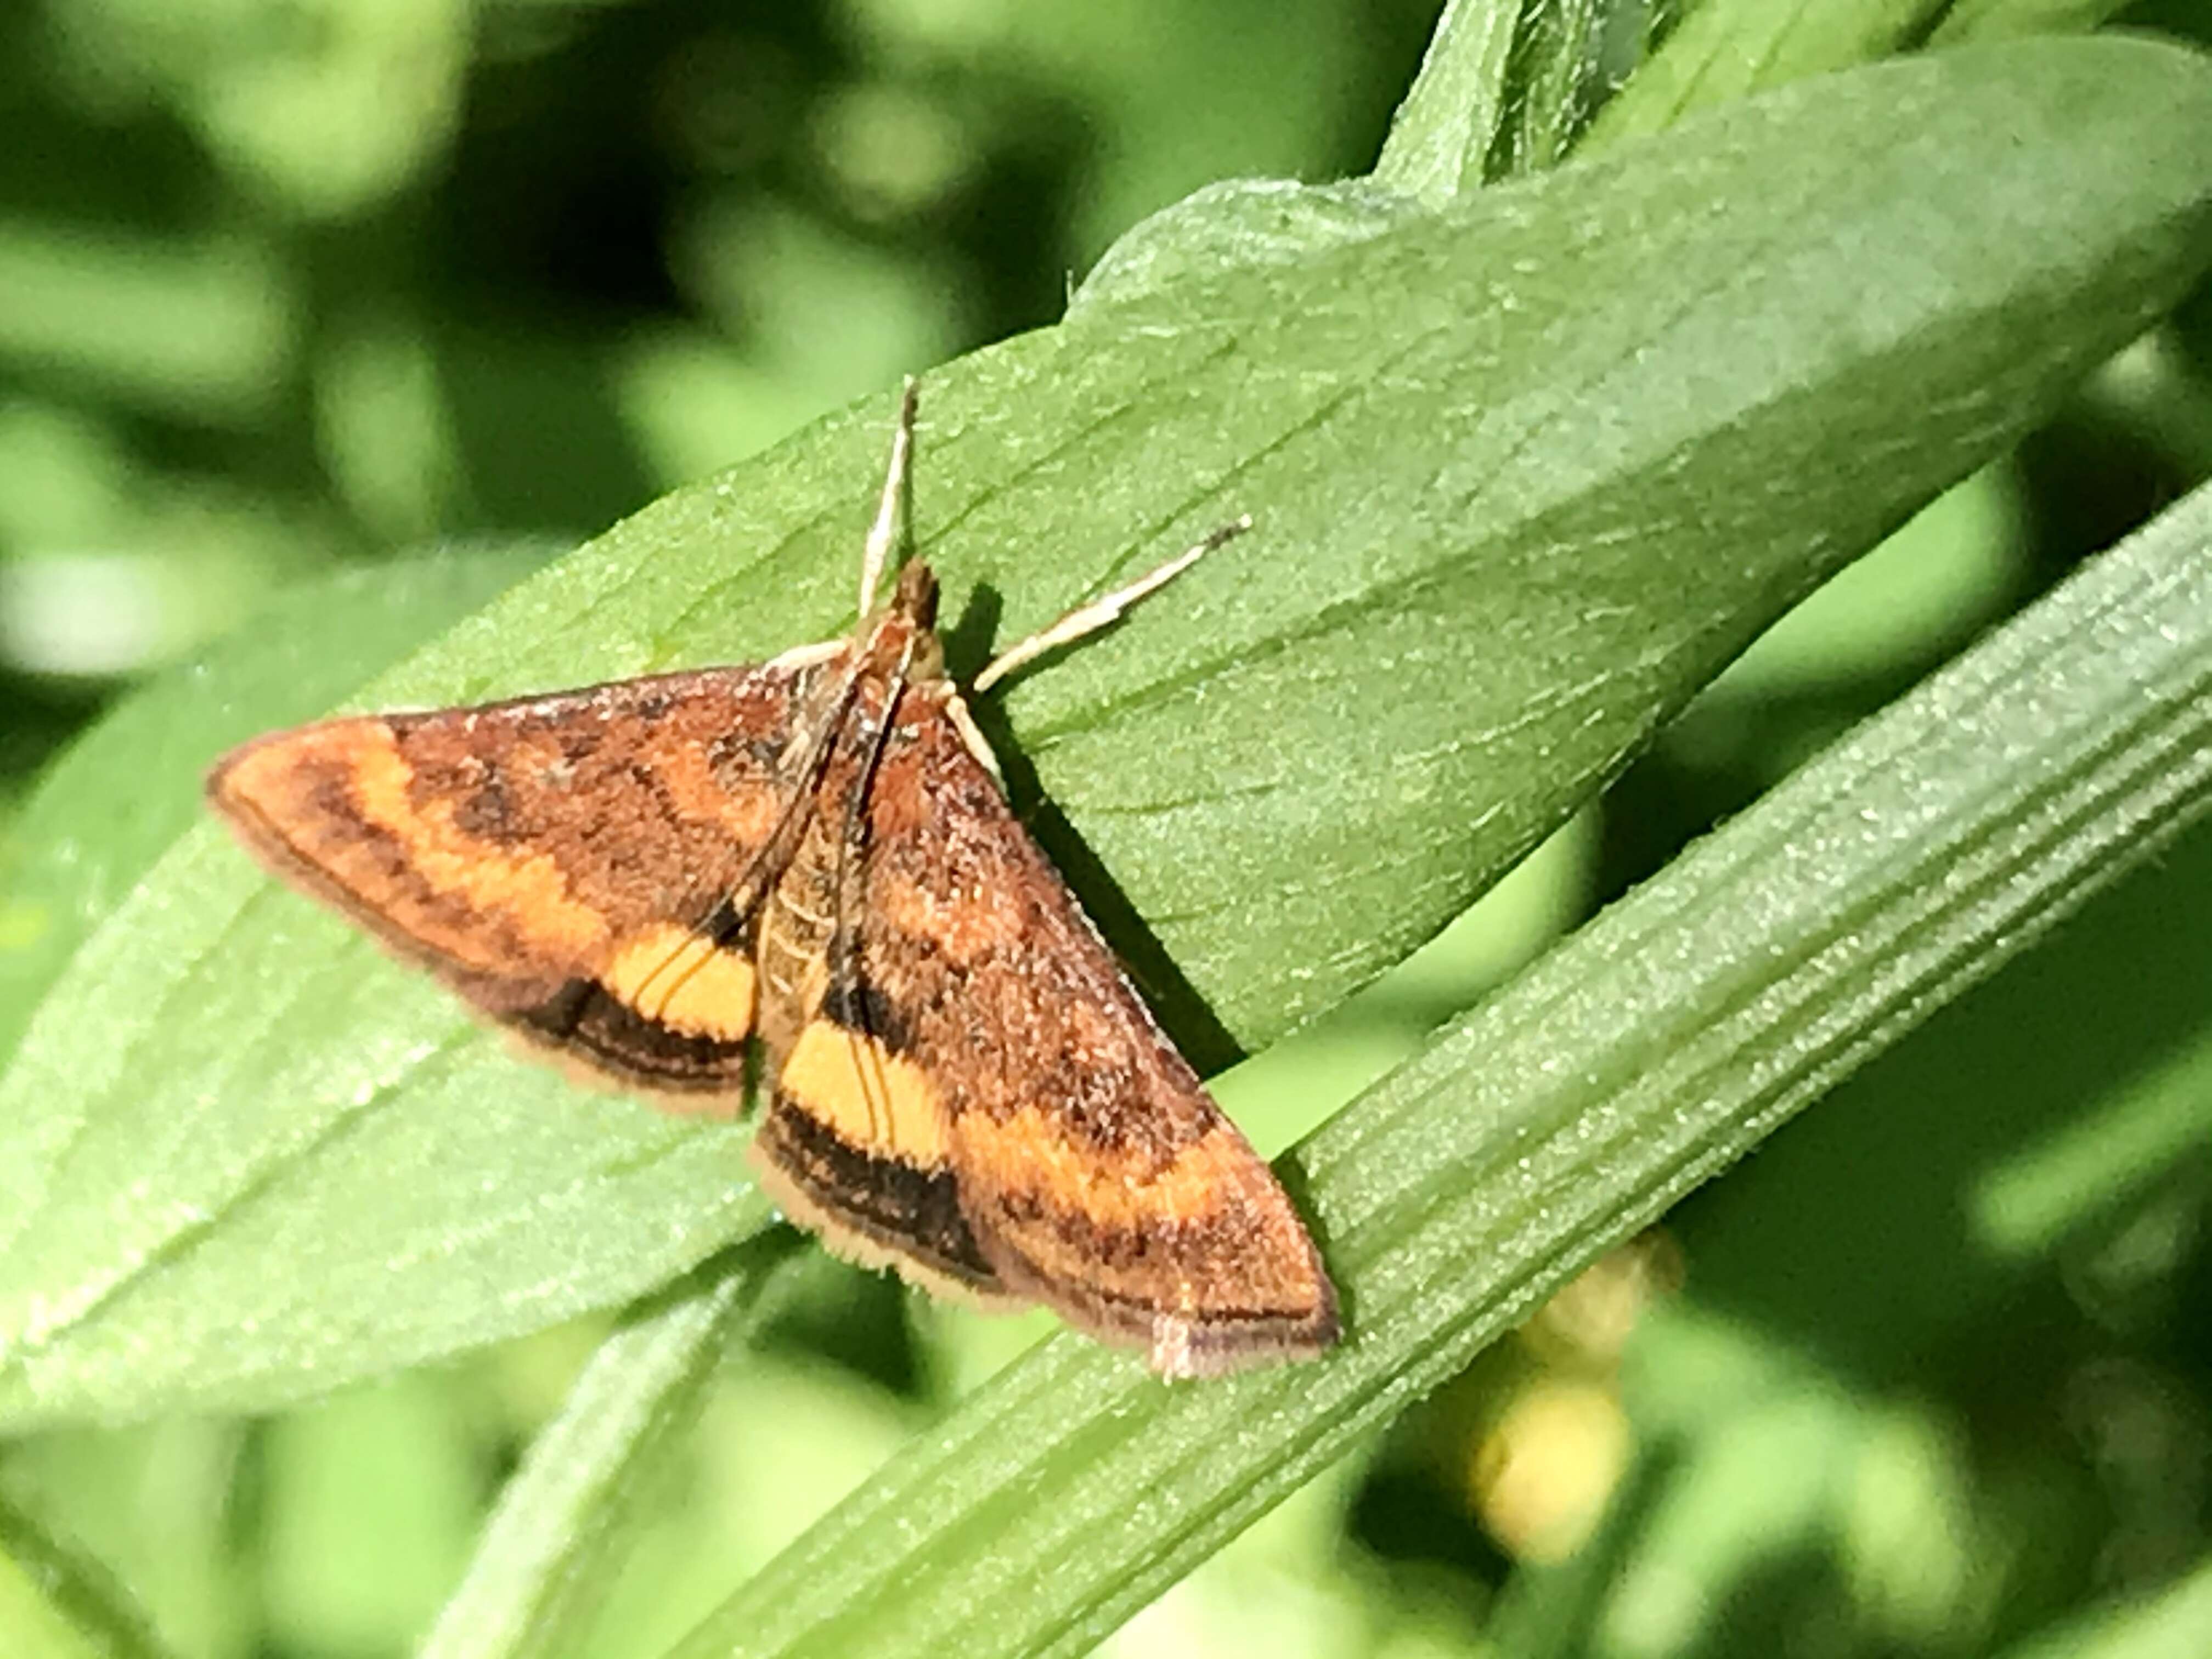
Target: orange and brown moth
[643, 876]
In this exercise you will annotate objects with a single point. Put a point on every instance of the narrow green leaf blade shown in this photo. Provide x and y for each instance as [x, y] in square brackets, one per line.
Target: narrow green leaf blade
[1528, 473]
[58, 1603]
[1549, 85]
[1634, 1061]
[1443, 130]
[1725, 50]
[555, 1539]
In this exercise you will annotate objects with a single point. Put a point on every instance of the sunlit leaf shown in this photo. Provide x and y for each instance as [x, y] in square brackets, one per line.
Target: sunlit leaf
[1526, 474]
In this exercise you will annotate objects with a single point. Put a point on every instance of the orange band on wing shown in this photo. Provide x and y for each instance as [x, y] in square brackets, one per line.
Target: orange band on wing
[530, 891]
[874, 1100]
[396, 859]
[1029, 1153]
[685, 981]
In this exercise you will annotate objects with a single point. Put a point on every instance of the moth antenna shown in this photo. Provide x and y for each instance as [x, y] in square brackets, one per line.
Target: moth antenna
[884, 532]
[1090, 617]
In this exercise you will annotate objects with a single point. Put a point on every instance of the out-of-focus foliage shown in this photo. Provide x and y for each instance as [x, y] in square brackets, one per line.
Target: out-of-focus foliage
[287, 281]
[287, 285]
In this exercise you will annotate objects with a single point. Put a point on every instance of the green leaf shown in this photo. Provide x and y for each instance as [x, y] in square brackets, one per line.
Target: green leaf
[1725, 50]
[1504, 82]
[128, 787]
[1639, 1059]
[1445, 127]
[2168, 1623]
[1239, 222]
[1999, 20]
[55, 1602]
[1551, 84]
[2091, 1069]
[1500, 75]
[1527, 472]
[1504, 90]
[557, 1536]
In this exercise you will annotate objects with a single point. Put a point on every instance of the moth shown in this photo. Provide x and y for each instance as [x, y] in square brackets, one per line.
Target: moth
[640, 878]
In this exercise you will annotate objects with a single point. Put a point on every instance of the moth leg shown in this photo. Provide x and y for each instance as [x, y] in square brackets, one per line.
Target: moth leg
[1090, 617]
[971, 735]
[808, 656]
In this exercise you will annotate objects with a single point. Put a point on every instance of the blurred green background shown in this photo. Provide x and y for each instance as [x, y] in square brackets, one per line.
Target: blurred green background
[293, 285]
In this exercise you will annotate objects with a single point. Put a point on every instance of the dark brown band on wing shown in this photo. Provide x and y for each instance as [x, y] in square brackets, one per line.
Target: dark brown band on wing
[895, 1208]
[582, 1019]
[1246, 1283]
[1238, 1330]
[855, 1004]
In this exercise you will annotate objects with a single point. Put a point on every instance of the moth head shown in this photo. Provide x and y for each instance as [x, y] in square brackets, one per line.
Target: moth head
[914, 598]
[905, 630]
